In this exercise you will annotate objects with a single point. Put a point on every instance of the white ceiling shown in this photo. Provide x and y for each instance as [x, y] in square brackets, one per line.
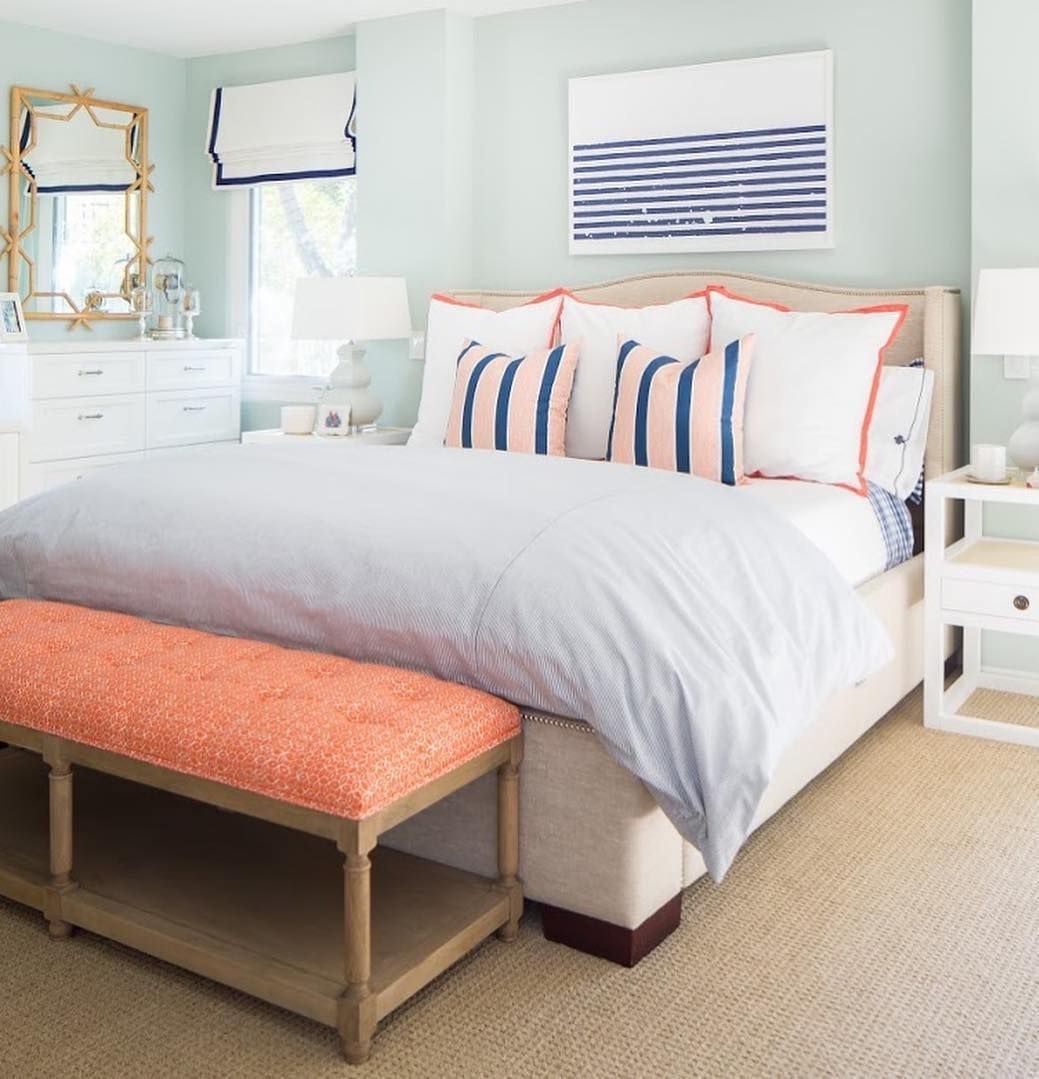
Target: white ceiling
[204, 27]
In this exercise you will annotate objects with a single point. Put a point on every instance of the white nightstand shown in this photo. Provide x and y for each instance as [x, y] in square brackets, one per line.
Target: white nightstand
[980, 583]
[384, 436]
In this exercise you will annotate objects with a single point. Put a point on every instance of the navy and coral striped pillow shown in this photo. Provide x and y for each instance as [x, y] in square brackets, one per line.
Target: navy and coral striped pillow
[681, 416]
[516, 403]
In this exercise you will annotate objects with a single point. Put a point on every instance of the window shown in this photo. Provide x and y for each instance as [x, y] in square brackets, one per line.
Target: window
[304, 229]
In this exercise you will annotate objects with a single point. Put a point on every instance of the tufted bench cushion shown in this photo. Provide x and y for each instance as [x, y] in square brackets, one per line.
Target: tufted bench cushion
[314, 730]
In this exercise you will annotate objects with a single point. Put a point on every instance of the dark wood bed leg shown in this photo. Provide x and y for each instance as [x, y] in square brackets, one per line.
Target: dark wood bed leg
[616, 943]
[60, 784]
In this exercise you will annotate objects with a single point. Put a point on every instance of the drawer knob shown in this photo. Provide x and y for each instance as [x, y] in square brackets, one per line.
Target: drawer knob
[188, 368]
[1022, 603]
[90, 371]
[91, 415]
[194, 408]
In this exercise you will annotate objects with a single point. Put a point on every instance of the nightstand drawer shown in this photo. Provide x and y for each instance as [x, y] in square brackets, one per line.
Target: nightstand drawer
[87, 427]
[181, 419]
[75, 375]
[986, 598]
[186, 369]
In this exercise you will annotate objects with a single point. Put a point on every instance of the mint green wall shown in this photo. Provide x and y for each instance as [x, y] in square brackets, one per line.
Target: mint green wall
[902, 134]
[48, 60]
[1004, 232]
[208, 211]
[414, 174]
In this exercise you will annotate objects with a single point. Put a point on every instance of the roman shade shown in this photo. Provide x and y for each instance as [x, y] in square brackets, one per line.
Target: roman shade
[281, 132]
[85, 153]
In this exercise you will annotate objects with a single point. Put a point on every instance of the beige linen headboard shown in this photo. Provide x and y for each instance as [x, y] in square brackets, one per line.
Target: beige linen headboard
[931, 330]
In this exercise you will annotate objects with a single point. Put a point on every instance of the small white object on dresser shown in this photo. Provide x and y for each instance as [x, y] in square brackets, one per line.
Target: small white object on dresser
[980, 583]
[86, 405]
[383, 436]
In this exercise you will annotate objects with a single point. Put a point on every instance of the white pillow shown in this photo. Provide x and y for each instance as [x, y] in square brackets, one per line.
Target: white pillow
[450, 325]
[680, 329]
[812, 385]
[898, 432]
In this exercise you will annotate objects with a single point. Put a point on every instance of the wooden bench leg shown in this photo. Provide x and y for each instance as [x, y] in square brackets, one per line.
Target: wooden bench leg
[508, 840]
[60, 782]
[357, 1021]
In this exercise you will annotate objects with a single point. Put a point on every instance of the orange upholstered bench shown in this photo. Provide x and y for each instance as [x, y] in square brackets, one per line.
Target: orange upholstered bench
[322, 744]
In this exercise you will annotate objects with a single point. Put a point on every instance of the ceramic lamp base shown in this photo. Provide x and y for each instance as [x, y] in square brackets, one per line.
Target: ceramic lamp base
[349, 402]
[1023, 446]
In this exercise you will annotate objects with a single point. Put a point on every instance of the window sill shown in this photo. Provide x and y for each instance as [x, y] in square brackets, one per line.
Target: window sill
[293, 389]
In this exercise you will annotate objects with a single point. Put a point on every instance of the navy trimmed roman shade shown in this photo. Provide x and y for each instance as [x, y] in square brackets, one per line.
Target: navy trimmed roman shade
[281, 132]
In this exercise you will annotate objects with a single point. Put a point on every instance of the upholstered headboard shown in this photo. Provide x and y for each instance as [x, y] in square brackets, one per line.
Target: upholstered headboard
[931, 330]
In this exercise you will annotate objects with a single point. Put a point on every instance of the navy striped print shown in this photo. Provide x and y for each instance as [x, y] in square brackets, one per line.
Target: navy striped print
[620, 188]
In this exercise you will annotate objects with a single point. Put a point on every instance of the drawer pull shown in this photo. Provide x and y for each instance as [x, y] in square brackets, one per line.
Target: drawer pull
[90, 371]
[91, 415]
[194, 408]
[188, 369]
[1022, 603]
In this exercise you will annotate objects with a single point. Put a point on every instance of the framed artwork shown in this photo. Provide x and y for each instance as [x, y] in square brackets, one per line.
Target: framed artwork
[728, 156]
[12, 318]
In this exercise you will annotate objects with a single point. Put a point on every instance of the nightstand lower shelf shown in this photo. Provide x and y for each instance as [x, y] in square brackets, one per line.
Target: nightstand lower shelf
[957, 705]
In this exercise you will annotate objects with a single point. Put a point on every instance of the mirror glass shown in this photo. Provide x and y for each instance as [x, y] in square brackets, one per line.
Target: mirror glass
[80, 206]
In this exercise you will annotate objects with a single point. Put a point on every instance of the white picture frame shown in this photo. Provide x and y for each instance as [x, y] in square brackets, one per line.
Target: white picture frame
[735, 155]
[12, 319]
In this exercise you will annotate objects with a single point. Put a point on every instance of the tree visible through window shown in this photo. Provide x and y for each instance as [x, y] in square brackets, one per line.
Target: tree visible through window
[305, 229]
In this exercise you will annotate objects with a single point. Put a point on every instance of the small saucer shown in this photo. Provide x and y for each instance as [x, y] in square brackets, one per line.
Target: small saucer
[1004, 482]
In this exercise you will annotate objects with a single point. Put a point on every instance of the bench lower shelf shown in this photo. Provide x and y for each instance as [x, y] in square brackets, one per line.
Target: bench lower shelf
[254, 905]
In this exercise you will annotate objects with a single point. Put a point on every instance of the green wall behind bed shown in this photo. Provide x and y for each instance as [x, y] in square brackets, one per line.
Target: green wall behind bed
[902, 97]
[1005, 232]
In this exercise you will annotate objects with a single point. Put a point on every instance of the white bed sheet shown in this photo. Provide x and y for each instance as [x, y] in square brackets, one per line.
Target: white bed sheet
[843, 525]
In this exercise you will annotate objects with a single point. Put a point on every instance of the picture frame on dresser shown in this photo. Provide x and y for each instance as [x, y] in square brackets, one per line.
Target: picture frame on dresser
[12, 319]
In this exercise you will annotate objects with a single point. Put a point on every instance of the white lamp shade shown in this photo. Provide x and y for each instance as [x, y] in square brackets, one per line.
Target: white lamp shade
[351, 309]
[1006, 313]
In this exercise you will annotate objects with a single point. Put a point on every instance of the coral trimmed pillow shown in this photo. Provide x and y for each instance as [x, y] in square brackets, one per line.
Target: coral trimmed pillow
[684, 417]
[811, 395]
[450, 325]
[679, 329]
[515, 403]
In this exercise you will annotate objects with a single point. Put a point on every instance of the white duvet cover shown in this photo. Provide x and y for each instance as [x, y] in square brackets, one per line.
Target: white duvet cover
[690, 623]
[842, 524]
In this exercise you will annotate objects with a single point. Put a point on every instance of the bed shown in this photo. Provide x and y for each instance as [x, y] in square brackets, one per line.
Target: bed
[596, 849]
[193, 541]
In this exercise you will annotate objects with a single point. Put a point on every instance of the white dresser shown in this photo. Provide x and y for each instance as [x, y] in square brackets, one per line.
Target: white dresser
[90, 404]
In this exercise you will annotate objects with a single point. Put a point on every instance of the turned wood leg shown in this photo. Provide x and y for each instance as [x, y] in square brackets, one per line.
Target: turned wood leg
[60, 781]
[508, 840]
[357, 1005]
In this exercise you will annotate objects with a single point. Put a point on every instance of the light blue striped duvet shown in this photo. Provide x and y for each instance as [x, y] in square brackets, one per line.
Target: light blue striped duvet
[694, 627]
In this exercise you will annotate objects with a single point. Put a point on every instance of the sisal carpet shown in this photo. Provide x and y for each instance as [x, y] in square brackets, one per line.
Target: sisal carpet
[884, 923]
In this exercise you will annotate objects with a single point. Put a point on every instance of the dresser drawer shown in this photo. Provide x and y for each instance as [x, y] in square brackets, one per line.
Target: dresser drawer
[180, 419]
[54, 473]
[77, 375]
[87, 427]
[990, 599]
[184, 370]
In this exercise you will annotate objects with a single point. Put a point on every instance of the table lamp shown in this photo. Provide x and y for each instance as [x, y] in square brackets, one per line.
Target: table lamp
[350, 309]
[1006, 323]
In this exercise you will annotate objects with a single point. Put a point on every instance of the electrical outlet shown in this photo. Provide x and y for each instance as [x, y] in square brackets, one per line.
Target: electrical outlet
[417, 346]
[1017, 366]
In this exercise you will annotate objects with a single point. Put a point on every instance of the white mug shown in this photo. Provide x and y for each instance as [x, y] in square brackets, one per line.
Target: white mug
[988, 463]
[298, 419]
